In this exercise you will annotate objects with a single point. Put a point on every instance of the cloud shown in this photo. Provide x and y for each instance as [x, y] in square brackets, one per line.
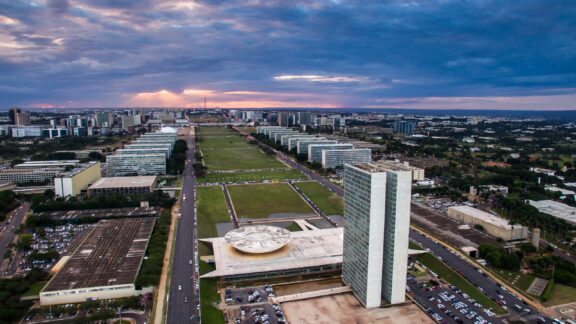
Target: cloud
[321, 79]
[325, 53]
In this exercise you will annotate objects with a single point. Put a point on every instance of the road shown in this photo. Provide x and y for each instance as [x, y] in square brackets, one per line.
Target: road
[13, 220]
[183, 298]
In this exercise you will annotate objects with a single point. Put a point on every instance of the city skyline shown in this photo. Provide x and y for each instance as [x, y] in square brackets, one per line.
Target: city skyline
[323, 54]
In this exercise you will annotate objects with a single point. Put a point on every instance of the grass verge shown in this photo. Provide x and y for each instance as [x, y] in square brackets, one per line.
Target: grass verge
[208, 297]
[329, 202]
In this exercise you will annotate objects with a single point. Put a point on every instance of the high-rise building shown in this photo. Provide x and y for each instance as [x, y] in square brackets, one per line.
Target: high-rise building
[404, 126]
[305, 118]
[19, 117]
[376, 228]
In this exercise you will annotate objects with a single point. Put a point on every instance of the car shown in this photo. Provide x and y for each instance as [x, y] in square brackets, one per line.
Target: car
[189, 261]
[185, 299]
[179, 287]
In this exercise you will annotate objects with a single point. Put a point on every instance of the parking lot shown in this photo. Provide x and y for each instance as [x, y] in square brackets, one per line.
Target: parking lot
[262, 314]
[61, 239]
[447, 304]
[243, 296]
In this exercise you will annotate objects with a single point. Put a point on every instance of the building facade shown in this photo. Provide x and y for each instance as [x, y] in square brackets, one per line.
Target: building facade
[491, 224]
[337, 158]
[129, 186]
[315, 150]
[72, 183]
[134, 164]
[376, 227]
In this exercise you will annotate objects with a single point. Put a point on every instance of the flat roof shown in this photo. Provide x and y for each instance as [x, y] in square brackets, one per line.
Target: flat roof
[306, 249]
[123, 182]
[556, 209]
[102, 213]
[484, 216]
[111, 254]
[382, 166]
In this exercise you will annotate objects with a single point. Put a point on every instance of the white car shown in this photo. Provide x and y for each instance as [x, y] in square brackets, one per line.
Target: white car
[179, 287]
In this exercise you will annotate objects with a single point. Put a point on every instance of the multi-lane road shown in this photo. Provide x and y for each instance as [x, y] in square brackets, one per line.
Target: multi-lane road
[183, 297]
[8, 231]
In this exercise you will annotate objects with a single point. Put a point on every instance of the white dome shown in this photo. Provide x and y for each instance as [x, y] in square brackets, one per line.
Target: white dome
[258, 238]
[167, 130]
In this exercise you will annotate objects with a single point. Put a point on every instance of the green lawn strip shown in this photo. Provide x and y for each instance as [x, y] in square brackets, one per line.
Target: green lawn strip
[561, 294]
[259, 201]
[251, 176]
[293, 227]
[211, 210]
[209, 296]
[329, 202]
[35, 289]
[454, 278]
[523, 282]
[250, 158]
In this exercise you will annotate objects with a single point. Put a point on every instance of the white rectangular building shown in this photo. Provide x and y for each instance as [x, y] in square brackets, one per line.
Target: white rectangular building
[315, 150]
[302, 146]
[555, 209]
[491, 224]
[293, 141]
[134, 164]
[71, 183]
[337, 158]
[376, 227]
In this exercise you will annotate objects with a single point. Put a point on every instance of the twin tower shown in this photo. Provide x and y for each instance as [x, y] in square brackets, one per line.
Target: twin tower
[376, 228]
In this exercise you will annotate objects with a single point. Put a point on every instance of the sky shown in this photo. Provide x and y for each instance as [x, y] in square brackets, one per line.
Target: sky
[429, 54]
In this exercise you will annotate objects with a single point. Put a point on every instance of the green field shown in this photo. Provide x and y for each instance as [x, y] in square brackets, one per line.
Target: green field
[259, 201]
[208, 296]
[561, 295]
[293, 227]
[212, 210]
[251, 176]
[224, 149]
[329, 202]
[454, 278]
[517, 279]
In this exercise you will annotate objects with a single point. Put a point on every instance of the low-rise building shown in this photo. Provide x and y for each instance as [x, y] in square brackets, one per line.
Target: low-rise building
[491, 224]
[555, 209]
[315, 150]
[71, 183]
[129, 186]
[104, 266]
[134, 164]
[337, 158]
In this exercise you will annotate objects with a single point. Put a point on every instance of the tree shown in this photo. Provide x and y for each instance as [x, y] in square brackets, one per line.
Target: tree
[24, 242]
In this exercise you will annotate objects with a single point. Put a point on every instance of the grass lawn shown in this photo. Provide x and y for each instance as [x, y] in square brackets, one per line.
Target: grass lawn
[515, 278]
[225, 149]
[35, 289]
[239, 159]
[454, 278]
[293, 227]
[251, 176]
[561, 294]
[327, 201]
[208, 296]
[259, 201]
[211, 210]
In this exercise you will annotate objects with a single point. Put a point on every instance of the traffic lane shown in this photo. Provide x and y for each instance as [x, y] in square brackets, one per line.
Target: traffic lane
[475, 277]
[15, 219]
[182, 302]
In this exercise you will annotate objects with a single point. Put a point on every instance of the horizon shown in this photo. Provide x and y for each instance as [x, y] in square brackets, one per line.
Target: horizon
[333, 54]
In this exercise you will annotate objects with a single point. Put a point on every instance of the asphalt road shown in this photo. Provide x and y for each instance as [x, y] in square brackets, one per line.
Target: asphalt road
[183, 302]
[13, 220]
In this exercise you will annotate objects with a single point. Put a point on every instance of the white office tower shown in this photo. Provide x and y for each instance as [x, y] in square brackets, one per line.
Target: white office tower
[376, 225]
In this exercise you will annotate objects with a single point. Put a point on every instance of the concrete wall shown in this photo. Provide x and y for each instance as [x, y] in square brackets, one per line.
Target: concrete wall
[517, 233]
[72, 186]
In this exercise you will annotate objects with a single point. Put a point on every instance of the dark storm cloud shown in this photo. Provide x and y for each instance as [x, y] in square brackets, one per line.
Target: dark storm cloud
[398, 49]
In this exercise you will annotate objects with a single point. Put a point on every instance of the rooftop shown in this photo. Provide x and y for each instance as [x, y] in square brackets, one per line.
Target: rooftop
[258, 239]
[486, 217]
[306, 249]
[382, 166]
[111, 254]
[103, 213]
[124, 182]
[556, 209]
